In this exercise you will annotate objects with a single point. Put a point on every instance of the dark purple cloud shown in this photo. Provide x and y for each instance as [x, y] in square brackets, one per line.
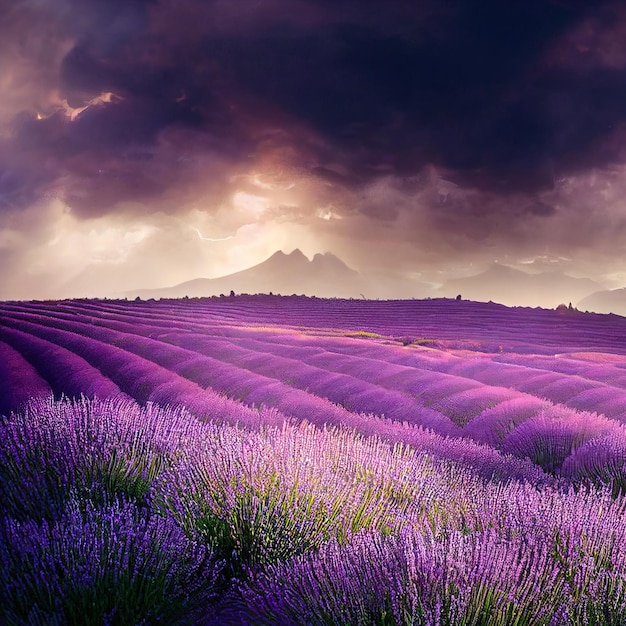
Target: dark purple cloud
[395, 86]
[463, 89]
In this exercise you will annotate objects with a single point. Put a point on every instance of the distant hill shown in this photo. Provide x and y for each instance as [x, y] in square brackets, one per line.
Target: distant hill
[510, 286]
[605, 301]
[325, 276]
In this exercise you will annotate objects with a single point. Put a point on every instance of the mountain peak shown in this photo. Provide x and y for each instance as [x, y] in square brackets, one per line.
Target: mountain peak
[297, 253]
[329, 263]
[294, 254]
[328, 258]
[325, 255]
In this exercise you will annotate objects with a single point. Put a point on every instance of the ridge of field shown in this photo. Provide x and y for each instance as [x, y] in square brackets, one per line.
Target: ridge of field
[512, 381]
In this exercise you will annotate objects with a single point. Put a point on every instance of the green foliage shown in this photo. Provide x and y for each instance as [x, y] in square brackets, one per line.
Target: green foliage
[365, 334]
[118, 475]
[264, 525]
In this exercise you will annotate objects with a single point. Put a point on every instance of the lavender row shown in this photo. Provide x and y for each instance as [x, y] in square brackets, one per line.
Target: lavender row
[251, 388]
[145, 368]
[511, 371]
[66, 372]
[147, 381]
[19, 380]
[579, 393]
[139, 378]
[292, 378]
[604, 376]
[611, 373]
[497, 412]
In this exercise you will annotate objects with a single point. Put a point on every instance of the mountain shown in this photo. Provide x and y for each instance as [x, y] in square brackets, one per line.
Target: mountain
[325, 276]
[510, 286]
[605, 301]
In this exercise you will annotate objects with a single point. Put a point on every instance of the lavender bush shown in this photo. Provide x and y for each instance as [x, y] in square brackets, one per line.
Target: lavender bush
[601, 461]
[548, 439]
[412, 578]
[116, 565]
[145, 515]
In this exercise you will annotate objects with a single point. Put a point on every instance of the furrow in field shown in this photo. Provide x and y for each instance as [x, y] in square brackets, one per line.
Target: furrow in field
[461, 409]
[557, 389]
[443, 319]
[481, 326]
[460, 398]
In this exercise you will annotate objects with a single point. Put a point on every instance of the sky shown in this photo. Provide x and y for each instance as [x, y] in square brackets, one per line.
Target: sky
[148, 142]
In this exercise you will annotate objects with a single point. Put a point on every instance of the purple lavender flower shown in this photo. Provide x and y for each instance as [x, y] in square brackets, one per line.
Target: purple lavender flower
[110, 565]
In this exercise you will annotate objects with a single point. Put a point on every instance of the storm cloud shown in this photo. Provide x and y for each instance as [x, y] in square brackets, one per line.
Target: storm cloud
[449, 131]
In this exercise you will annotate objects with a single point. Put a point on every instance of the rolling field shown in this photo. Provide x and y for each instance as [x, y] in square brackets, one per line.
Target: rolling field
[291, 460]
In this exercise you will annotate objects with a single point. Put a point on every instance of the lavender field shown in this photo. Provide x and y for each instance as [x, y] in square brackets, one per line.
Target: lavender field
[290, 460]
